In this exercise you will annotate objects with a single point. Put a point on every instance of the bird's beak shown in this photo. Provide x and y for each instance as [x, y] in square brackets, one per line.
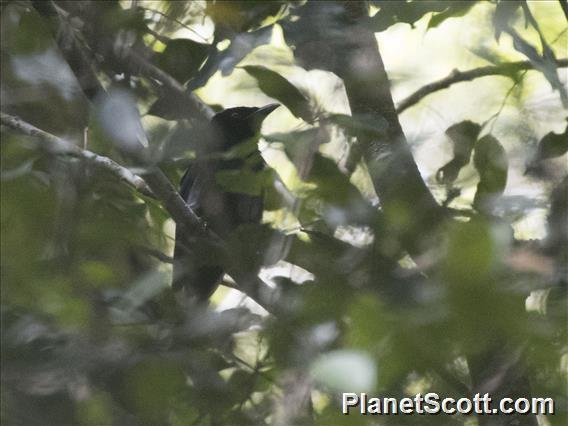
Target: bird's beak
[263, 112]
[257, 117]
[267, 109]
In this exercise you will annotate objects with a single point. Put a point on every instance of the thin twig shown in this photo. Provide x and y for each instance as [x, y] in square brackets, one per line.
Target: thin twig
[162, 257]
[56, 145]
[177, 21]
[495, 116]
[469, 75]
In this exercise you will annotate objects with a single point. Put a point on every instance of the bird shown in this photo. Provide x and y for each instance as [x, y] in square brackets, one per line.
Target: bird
[195, 273]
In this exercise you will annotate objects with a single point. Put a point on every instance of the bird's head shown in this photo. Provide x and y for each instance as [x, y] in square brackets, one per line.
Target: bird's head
[241, 123]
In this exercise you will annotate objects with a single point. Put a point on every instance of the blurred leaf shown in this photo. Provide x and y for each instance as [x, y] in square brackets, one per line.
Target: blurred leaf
[97, 272]
[470, 254]
[504, 14]
[368, 323]
[244, 181]
[25, 40]
[342, 203]
[150, 388]
[326, 256]
[346, 369]
[481, 307]
[118, 116]
[279, 88]
[491, 162]
[144, 290]
[181, 58]
[254, 246]
[463, 135]
[96, 409]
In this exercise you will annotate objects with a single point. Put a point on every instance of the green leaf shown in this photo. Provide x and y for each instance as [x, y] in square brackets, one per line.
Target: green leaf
[490, 160]
[279, 88]
[552, 145]
[463, 135]
[181, 58]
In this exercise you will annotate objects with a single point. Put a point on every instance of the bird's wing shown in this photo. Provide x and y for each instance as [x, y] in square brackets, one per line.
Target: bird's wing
[192, 185]
[186, 183]
[199, 279]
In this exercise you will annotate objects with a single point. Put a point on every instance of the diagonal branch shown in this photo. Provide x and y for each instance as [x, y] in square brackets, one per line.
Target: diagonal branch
[469, 75]
[56, 145]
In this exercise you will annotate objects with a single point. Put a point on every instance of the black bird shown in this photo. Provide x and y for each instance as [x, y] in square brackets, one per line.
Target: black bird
[221, 210]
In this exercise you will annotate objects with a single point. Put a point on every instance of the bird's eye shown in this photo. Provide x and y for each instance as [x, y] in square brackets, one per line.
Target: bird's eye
[234, 115]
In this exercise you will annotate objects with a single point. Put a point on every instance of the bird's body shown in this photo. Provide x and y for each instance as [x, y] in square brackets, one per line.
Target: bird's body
[222, 211]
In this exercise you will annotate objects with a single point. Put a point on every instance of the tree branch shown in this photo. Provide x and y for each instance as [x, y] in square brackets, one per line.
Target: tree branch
[404, 197]
[457, 76]
[58, 146]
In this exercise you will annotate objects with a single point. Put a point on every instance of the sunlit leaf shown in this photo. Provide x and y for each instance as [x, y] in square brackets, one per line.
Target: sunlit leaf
[240, 16]
[455, 9]
[279, 88]
[505, 12]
